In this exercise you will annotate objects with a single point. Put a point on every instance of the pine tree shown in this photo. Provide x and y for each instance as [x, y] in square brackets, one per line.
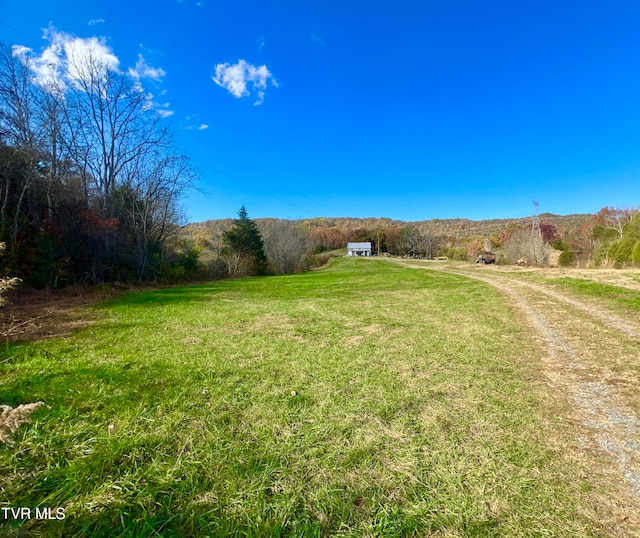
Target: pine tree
[243, 249]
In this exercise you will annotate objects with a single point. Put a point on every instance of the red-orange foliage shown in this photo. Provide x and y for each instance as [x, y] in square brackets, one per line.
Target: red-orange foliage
[614, 218]
[95, 226]
[549, 232]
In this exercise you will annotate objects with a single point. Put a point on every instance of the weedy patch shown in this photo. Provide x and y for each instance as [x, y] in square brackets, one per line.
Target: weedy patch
[11, 419]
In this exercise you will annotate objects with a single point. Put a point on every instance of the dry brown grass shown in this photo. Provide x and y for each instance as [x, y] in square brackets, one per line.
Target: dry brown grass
[11, 419]
[35, 316]
[626, 278]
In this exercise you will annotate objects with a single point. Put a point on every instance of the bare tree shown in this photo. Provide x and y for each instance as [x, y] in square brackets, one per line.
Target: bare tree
[22, 135]
[93, 126]
[416, 243]
[523, 244]
[284, 246]
[614, 218]
[148, 203]
[110, 124]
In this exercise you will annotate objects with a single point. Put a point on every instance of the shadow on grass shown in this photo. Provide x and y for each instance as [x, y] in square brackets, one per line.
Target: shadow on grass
[67, 380]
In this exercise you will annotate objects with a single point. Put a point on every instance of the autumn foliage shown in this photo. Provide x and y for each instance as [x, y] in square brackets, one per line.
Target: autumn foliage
[89, 177]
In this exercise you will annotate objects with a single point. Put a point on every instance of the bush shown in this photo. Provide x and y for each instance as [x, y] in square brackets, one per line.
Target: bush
[522, 244]
[318, 260]
[460, 254]
[6, 283]
[635, 254]
[185, 268]
[620, 252]
[566, 258]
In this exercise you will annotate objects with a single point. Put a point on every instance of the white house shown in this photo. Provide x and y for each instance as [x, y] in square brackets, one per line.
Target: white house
[359, 249]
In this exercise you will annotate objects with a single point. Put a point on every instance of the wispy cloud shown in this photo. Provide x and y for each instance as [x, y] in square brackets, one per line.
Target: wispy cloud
[243, 79]
[144, 70]
[93, 22]
[318, 40]
[261, 42]
[194, 123]
[164, 112]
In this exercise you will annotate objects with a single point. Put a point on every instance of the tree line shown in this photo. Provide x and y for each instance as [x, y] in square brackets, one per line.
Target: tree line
[611, 237]
[90, 175]
[91, 181]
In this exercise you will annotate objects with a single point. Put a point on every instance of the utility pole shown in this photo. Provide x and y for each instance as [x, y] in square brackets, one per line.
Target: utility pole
[535, 220]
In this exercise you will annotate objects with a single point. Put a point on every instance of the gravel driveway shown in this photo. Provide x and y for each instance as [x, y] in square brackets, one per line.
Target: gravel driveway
[592, 359]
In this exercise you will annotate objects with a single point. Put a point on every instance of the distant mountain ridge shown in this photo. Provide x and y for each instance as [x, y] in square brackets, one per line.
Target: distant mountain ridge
[461, 228]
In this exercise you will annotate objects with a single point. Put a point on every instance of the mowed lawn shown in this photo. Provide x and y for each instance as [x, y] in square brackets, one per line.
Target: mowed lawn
[365, 399]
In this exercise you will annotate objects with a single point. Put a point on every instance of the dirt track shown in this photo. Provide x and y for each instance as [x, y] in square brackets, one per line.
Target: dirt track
[592, 359]
[585, 345]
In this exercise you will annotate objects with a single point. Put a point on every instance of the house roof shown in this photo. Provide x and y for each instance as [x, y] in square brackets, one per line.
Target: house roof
[364, 245]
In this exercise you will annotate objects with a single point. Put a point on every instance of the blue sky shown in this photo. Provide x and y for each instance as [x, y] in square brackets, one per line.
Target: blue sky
[404, 109]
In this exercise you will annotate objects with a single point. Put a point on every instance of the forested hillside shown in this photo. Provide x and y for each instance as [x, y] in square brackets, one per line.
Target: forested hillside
[90, 176]
[460, 238]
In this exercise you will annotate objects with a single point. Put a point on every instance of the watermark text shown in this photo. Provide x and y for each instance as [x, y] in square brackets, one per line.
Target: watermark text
[22, 512]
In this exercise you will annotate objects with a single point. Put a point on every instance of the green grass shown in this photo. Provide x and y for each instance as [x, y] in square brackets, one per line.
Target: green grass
[613, 295]
[366, 399]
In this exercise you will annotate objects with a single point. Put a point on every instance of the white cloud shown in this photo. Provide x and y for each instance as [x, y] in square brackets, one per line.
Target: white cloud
[144, 70]
[93, 22]
[261, 41]
[86, 55]
[67, 59]
[194, 122]
[242, 78]
[161, 109]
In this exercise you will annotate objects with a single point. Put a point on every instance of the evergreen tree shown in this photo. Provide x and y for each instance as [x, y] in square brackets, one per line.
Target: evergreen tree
[243, 249]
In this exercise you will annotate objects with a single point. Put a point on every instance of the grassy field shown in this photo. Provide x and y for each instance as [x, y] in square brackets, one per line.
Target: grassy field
[365, 399]
[615, 296]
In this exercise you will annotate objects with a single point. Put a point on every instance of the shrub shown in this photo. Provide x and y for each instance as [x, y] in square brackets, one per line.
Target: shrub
[635, 254]
[566, 258]
[460, 254]
[620, 252]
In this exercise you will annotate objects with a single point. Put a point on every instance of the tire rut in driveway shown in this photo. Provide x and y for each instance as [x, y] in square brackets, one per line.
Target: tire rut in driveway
[592, 358]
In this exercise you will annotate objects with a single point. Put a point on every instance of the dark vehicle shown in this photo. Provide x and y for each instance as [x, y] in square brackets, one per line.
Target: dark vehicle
[486, 257]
